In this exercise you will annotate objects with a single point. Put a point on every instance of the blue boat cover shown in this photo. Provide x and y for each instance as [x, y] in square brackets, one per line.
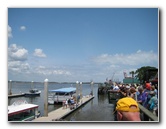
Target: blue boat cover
[62, 90]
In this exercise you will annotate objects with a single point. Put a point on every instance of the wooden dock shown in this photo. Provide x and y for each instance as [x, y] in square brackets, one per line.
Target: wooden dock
[60, 113]
[16, 95]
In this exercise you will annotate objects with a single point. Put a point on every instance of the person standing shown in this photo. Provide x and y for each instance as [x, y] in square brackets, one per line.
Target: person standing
[153, 103]
[66, 103]
[141, 96]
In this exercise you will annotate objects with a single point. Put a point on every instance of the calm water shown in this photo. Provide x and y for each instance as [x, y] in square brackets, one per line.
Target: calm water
[97, 109]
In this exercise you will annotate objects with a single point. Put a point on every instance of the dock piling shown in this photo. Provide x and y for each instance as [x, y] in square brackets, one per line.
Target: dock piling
[46, 97]
[10, 87]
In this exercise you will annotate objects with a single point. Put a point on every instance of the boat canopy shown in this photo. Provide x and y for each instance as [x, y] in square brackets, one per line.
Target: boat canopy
[62, 90]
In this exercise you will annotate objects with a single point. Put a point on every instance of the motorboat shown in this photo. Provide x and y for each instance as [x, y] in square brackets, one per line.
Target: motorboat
[60, 95]
[33, 92]
[21, 110]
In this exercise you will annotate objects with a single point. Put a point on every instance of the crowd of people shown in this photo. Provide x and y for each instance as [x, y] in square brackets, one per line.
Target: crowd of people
[72, 102]
[127, 108]
[146, 95]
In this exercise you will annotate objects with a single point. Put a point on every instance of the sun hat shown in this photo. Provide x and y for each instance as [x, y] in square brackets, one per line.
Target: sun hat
[132, 90]
[125, 104]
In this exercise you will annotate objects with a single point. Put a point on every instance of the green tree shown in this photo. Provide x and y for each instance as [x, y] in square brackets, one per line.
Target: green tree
[145, 73]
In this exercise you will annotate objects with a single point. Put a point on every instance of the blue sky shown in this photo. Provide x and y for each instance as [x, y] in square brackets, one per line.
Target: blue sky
[80, 44]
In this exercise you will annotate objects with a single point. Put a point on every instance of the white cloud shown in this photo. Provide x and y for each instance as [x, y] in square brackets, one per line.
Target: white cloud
[138, 58]
[16, 59]
[9, 29]
[17, 53]
[22, 28]
[39, 53]
[18, 67]
[61, 72]
[42, 70]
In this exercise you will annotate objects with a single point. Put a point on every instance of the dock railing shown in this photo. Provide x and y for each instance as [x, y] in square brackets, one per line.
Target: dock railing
[147, 115]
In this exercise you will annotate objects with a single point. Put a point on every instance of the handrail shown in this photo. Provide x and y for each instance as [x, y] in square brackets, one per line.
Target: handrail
[148, 113]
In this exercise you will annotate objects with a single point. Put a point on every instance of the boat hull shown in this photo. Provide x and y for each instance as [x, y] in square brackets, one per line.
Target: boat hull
[32, 94]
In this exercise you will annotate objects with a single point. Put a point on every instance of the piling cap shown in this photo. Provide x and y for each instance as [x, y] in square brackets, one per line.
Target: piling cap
[46, 80]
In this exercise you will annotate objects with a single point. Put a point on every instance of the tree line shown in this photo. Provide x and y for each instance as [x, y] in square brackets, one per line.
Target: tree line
[144, 73]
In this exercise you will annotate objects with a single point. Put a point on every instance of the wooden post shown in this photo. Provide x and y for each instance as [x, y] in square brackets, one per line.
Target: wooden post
[80, 90]
[91, 83]
[10, 87]
[36, 112]
[46, 97]
[77, 91]
[92, 88]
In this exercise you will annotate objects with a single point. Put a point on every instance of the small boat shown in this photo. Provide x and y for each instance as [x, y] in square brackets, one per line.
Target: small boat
[60, 95]
[21, 110]
[33, 92]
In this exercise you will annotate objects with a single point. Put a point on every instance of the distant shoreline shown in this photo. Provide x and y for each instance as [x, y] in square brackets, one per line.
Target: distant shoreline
[54, 82]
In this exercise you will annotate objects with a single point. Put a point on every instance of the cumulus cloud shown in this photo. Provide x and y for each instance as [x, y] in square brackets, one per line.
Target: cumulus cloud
[39, 53]
[140, 57]
[17, 53]
[22, 28]
[9, 29]
[16, 59]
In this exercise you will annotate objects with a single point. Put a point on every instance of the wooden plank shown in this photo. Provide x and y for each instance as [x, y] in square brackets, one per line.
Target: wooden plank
[62, 112]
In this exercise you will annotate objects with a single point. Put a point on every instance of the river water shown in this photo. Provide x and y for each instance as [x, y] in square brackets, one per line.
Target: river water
[98, 109]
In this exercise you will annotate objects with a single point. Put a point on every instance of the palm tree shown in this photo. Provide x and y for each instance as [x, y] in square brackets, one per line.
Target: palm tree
[132, 73]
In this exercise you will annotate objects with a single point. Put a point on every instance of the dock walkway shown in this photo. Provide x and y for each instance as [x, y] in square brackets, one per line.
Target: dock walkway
[62, 112]
[16, 95]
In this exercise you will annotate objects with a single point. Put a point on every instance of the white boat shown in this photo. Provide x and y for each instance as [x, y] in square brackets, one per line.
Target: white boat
[21, 110]
[60, 95]
[33, 92]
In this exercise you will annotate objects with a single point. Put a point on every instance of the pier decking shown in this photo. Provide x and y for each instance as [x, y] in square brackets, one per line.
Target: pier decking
[16, 95]
[62, 112]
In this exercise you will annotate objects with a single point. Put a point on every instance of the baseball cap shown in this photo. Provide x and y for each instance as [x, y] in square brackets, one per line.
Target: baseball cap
[125, 104]
[148, 86]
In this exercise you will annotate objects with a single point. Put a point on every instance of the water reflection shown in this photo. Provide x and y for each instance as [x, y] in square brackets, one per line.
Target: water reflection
[98, 109]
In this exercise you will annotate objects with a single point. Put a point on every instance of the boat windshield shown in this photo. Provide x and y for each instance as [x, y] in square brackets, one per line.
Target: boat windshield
[33, 90]
[19, 102]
